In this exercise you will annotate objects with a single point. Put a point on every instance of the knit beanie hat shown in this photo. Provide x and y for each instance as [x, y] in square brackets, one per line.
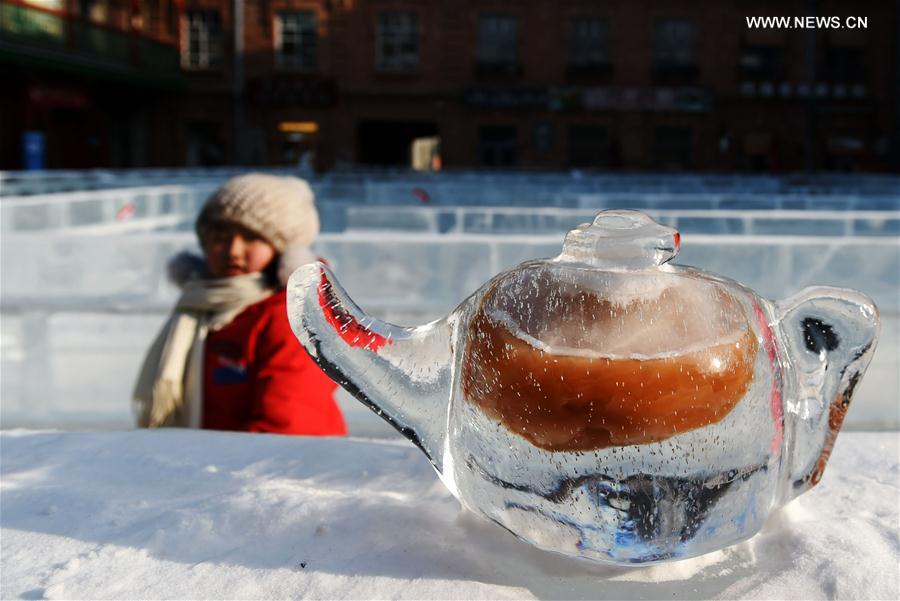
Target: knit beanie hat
[280, 209]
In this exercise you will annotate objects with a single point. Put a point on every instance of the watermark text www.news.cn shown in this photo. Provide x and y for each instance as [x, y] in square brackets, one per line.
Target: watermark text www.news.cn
[809, 22]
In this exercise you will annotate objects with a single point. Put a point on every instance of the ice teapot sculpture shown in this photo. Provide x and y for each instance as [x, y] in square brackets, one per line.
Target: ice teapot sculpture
[605, 403]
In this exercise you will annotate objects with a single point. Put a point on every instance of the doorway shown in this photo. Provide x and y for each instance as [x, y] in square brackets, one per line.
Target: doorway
[391, 142]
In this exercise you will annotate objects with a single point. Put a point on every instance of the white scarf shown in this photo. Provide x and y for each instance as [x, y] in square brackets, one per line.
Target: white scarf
[169, 388]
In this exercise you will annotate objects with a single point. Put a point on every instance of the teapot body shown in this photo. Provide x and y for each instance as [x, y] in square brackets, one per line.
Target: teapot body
[618, 457]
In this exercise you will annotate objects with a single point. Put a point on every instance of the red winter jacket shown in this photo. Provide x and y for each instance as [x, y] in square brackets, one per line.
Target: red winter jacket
[257, 377]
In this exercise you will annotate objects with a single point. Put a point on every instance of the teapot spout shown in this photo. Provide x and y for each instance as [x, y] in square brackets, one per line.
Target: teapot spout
[830, 336]
[402, 374]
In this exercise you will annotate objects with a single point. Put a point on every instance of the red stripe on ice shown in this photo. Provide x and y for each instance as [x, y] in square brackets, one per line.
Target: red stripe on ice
[775, 406]
[348, 328]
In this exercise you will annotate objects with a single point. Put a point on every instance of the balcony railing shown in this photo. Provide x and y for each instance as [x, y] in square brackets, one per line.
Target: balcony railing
[53, 38]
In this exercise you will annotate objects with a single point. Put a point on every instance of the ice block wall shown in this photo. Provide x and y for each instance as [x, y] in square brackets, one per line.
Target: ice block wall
[83, 254]
[78, 311]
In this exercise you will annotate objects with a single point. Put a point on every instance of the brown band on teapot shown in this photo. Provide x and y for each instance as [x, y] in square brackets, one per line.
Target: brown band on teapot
[578, 402]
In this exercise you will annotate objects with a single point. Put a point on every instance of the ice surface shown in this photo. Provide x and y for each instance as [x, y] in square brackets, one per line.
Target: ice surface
[178, 514]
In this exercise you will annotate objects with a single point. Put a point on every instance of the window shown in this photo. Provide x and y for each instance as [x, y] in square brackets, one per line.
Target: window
[762, 62]
[295, 39]
[498, 40]
[497, 145]
[202, 39]
[843, 65]
[588, 42]
[588, 146]
[391, 142]
[673, 148]
[397, 44]
[95, 10]
[675, 41]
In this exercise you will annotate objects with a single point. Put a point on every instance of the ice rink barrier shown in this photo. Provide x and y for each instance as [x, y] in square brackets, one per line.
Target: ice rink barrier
[79, 311]
[175, 208]
[155, 199]
[391, 185]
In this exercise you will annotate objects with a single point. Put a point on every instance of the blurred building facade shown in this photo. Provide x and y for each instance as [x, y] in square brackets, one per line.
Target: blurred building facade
[88, 83]
[618, 85]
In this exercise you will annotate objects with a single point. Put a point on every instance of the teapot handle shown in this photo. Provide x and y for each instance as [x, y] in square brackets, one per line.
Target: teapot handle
[829, 336]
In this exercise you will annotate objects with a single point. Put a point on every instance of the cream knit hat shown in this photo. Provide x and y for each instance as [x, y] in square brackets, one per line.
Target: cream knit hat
[280, 209]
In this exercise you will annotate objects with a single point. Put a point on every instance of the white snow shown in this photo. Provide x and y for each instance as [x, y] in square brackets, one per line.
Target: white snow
[192, 514]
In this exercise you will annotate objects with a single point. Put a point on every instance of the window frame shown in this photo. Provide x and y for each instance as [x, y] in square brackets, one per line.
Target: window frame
[506, 55]
[844, 65]
[771, 64]
[405, 32]
[573, 58]
[303, 32]
[665, 60]
[210, 52]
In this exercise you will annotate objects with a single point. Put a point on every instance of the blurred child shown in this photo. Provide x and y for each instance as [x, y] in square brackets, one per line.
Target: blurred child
[227, 358]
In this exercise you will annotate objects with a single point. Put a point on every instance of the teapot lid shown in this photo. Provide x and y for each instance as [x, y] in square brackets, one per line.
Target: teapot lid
[621, 239]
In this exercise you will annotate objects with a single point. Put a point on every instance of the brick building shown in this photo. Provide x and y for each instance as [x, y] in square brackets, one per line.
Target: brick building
[625, 85]
[95, 81]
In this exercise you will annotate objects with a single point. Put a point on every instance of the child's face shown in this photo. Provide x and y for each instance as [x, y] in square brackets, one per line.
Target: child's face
[232, 250]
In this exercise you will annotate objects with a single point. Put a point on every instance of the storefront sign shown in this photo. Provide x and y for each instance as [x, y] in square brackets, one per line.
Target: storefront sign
[589, 99]
[507, 98]
[57, 97]
[691, 100]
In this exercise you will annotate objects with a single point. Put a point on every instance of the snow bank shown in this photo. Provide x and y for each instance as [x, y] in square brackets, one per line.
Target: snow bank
[189, 514]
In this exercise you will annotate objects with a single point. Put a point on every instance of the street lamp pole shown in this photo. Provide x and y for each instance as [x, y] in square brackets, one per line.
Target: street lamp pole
[237, 83]
[809, 129]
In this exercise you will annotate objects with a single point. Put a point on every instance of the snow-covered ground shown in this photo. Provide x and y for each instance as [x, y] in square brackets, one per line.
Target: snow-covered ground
[181, 514]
